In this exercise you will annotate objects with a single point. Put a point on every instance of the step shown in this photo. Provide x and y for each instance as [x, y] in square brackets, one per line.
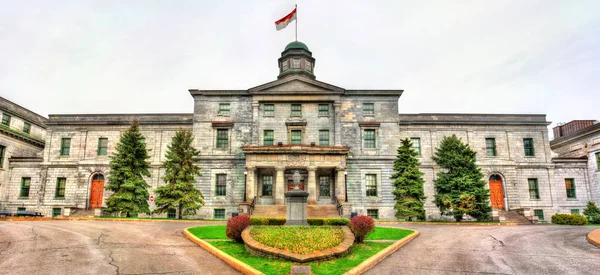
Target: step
[514, 216]
[312, 211]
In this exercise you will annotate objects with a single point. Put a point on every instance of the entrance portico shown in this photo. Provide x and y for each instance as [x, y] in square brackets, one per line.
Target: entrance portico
[270, 169]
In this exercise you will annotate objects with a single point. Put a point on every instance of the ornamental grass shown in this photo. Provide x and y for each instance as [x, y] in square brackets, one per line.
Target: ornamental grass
[299, 239]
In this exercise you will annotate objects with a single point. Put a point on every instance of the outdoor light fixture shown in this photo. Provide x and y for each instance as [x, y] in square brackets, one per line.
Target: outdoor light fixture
[312, 143]
[279, 143]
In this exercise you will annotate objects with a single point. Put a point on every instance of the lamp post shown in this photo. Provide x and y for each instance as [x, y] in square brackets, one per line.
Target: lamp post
[245, 183]
[346, 185]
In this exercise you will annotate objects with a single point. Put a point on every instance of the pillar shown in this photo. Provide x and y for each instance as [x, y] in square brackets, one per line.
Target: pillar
[255, 122]
[339, 184]
[250, 183]
[279, 185]
[312, 185]
[337, 124]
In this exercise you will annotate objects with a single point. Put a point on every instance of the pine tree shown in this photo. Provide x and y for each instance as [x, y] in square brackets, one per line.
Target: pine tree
[460, 188]
[181, 169]
[408, 183]
[592, 212]
[128, 166]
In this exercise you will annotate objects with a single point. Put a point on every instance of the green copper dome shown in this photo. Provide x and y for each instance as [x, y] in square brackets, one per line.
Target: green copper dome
[296, 45]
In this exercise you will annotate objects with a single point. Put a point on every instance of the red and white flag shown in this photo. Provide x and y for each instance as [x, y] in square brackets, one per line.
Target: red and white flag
[283, 22]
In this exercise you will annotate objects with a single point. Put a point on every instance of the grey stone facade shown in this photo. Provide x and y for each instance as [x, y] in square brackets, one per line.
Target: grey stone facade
[327, 140]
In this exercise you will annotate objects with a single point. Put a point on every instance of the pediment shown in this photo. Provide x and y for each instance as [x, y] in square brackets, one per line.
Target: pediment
[296, 85]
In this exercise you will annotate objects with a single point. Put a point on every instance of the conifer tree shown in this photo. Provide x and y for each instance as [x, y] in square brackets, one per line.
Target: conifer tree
[128, 166]
[408, 183]
[460, 188]
[181, 168]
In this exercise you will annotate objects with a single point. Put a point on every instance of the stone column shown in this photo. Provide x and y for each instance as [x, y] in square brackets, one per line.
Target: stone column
[339, 184]
[312, 185]
[279, 185]
[250, 183]
[255, 127]
[337, 124]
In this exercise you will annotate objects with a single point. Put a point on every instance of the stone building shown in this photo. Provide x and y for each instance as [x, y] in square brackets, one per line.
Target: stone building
[343, 143]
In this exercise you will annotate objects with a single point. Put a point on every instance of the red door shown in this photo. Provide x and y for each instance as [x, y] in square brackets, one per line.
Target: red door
[290, 185]
[496, 194]
[97, 193]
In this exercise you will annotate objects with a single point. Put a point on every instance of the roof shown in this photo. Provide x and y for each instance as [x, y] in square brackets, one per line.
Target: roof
[296, 45]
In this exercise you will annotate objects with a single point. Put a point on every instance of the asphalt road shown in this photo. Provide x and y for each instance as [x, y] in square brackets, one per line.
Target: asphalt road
[103, 247]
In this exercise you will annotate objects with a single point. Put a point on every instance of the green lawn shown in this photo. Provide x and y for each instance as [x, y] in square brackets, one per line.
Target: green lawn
[358, 253]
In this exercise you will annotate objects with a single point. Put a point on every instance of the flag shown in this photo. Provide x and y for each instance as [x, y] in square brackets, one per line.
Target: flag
[283, 22]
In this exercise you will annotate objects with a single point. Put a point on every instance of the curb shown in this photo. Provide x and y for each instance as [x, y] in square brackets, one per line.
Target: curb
[452, 223]
[233, 262]
[594, 237]
[375, 259]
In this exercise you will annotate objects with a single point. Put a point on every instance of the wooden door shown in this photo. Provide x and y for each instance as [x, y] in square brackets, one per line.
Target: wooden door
[290, 185]
[496, 194]
[97, 193]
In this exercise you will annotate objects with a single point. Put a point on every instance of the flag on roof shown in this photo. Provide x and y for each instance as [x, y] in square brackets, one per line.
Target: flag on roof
[283, 22]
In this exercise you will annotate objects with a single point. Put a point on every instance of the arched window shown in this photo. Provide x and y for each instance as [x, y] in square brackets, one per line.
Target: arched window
[495, 178]
[98, 177]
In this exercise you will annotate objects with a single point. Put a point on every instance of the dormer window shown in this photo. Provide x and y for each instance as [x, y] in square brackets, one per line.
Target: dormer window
[308, 66]
[285, 65]
[296, 64]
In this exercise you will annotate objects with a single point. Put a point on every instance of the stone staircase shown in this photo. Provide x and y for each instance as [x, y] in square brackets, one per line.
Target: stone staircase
[312, 211]
[513, 216]
[81, 213]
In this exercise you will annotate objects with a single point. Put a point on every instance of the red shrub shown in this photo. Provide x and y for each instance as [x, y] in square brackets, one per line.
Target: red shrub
[361, 227]
[235, 226]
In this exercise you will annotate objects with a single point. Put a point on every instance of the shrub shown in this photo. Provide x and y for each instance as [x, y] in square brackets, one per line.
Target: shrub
[276, 221]
[336, 221]
[361, 227]
[315, 221]
[570, 219]
[235, 226]
[259, 221]
[592, 212]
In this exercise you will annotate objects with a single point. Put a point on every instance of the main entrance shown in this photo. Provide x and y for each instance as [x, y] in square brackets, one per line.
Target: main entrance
[97, 191]
[496, 192]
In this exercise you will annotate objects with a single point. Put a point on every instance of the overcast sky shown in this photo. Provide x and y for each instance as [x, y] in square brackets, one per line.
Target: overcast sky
[448, 56]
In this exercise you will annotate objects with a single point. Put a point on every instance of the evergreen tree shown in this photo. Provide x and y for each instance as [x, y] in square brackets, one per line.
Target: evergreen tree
[128, 166]
[408, 183]
[460, 188]
[181, 169]
[592, 212]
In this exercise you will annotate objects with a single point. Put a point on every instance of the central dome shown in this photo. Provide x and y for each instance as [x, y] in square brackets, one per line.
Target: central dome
[296, 45]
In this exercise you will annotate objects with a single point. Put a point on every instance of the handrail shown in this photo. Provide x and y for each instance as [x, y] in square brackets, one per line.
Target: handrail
[252, 206]
[339, 206]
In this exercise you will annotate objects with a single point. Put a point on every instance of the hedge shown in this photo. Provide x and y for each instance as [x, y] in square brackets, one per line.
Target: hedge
[267, 220]
[570, 219]
[311, 221]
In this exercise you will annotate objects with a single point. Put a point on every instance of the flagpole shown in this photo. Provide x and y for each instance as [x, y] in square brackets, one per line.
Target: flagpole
[296, 22]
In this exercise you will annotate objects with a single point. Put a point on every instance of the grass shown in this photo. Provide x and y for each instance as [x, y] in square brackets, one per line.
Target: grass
[387, 233]
[358, 254]
[299, 239]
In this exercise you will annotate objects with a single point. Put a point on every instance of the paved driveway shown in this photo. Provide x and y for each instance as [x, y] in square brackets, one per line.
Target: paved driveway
[103, 247]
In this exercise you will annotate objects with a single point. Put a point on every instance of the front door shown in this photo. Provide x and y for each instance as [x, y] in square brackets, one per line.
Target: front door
[496, 193]
[290, 185]
[97, 193]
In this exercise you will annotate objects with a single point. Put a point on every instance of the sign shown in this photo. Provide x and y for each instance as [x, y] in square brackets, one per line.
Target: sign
[151, 198]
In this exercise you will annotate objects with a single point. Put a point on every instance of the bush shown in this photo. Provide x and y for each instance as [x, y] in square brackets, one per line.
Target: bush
[259, 221]
[592, 212]
[276, 221]
[336, 221]
[315, 221]
[570, 219]
[361, 227]
[235, 226]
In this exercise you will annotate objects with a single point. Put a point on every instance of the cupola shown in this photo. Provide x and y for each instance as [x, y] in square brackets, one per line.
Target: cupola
[296, 59]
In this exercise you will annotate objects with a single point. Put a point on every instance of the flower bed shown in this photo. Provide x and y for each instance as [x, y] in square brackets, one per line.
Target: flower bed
[299, 239]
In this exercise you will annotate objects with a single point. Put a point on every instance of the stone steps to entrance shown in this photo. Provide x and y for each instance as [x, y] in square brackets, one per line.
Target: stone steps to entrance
[514, 216]
[312, 211]
[80, 212]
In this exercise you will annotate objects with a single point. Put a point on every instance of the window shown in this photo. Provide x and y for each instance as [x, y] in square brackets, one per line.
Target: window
[2, 151]
[597, 160]
[102, 146]
[65, 146]
[308, 65]
[575, 211]
[539, 213]
[369, 136]
[25, 186]
[324, 137]
[324, 186]
[323, 109]
[296, 63]
[268, 109]
[56, 212]
[221, 185]
[371, 184]
[219, 214]
[6, 119]
[285, 64]
[223, 109]
[416, 144]
[368, 108]
[296, 110]
[26, 128]
[490, 147]
[373, 213]
[222, 138]
[61, 184]
[268, 137]
[172, 214]
[296, 137]
[21, 209]
[570, 186]
[534, 191]
[528, 145]
[267, 186]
